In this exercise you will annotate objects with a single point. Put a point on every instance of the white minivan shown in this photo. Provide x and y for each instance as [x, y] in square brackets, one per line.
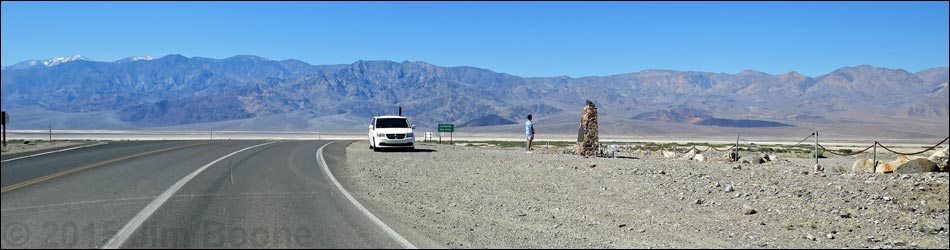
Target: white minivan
[391, 132]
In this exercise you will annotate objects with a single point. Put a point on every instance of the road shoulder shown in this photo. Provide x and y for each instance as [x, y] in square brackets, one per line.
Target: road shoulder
[337, 161]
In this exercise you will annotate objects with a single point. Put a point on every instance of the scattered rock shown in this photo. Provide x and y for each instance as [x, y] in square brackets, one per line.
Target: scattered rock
[811, 237]
[898, 243]
[758, 160]
[732, 156]
[844, 214]
[940, 158]
[747, 210]
[819, 168]
[669, 154]
[929, 227]
[613, 148]
[699, 158]
[793, 205]
[691, 154]
[592, 166]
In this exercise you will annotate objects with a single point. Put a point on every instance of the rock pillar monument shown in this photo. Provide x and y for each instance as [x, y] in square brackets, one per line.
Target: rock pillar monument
[587, 135]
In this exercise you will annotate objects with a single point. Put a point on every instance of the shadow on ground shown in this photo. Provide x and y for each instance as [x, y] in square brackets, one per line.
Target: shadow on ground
[406, 150]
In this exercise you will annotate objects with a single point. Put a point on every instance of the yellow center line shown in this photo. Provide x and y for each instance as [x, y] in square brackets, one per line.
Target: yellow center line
[74, 170]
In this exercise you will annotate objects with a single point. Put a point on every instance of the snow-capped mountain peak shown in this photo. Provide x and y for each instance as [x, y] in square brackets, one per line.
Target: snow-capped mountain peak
[46, 63]
[135, 58]
[59, 60]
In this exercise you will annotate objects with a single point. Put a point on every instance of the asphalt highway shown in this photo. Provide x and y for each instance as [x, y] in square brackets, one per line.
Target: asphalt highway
[184, 194]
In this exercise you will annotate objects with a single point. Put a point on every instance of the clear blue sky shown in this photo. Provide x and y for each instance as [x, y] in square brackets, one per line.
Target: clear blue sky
[520, 38]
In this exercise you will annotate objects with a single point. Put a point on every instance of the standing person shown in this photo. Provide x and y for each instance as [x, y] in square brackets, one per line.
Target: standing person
[529, 132]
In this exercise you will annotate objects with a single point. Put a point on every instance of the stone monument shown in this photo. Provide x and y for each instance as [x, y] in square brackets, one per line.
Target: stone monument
[587, 135]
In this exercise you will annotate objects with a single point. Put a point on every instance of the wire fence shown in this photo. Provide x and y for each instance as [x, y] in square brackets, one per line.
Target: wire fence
[806, 139]
[915, 153]
[886, 148]
[843, 154]
[754, 147]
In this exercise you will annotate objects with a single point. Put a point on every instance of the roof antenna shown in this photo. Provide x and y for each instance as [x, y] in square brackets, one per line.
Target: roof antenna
[400, 110]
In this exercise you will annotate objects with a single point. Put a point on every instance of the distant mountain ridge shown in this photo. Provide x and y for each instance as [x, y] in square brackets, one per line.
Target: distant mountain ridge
[46, 63]
[250, 92]
[134, 58]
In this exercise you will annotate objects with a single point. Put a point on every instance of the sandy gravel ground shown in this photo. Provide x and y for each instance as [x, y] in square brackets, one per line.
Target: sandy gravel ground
[444, 196]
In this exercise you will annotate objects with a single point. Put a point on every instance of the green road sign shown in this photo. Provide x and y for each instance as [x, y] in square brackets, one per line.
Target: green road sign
[447, 128]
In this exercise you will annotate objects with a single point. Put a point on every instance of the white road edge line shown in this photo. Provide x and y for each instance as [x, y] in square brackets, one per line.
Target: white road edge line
[53, 152]
[389, 231]
[126, 232]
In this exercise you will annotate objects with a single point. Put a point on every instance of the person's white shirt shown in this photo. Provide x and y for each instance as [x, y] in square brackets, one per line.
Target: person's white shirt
[528, 129]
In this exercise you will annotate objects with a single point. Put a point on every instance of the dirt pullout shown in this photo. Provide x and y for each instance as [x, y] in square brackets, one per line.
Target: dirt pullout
[443, 196]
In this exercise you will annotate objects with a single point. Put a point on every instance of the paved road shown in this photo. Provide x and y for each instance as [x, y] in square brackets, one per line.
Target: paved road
[270, 196]
[18, 171]
[8, 156]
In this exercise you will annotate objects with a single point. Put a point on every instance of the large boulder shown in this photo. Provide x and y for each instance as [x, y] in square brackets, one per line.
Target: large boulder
[691, 154]
[902, 165]
[669, 154]
[916, 166]
[863, 166]
[890, 167]
[732, 156]
[767, 158]
[699, 158]
[613, 149]
[940, 158]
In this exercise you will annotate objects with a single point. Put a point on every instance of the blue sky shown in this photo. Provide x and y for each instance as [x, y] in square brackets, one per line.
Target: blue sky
[520, 38]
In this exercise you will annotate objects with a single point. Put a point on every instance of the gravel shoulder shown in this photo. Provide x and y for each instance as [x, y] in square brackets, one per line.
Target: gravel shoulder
[447, 196]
